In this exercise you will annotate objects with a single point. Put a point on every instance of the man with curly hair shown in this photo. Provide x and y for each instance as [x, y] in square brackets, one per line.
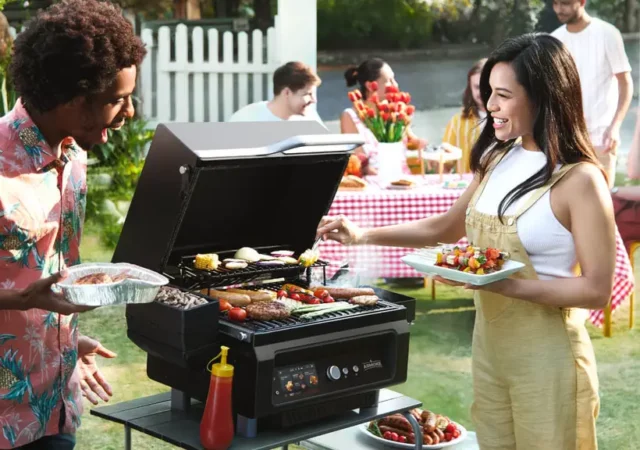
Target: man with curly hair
[74, 69]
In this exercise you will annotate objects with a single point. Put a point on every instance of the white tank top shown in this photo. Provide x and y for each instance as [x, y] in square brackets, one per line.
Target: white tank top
[548, 243]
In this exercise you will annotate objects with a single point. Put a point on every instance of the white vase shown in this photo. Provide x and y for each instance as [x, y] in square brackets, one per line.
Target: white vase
[391, 161]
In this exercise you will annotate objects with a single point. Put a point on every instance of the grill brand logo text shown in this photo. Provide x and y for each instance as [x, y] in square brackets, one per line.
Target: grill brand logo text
[377, 364]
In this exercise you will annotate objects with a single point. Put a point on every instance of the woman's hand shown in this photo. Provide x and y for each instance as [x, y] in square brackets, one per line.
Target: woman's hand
[340, 229]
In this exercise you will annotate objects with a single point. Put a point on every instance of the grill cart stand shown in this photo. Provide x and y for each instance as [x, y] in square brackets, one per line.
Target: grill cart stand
[154, 416]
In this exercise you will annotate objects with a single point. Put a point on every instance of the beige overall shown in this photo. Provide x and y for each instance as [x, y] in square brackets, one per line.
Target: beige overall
[534, 373]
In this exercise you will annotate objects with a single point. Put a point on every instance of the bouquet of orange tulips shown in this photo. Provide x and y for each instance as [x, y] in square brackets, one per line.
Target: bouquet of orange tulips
[388, 118]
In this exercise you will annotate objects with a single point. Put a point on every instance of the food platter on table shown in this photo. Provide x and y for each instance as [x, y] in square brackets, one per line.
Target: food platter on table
[402, 184]
[352, 183]
[464, 264]
[443, 152]
[438, 431]
[455, 184]
[463, 435]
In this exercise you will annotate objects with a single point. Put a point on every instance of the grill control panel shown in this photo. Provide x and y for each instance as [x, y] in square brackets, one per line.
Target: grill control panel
[332, 373]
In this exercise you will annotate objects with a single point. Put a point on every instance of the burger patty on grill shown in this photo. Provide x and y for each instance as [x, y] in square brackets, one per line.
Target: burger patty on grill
[267, 311]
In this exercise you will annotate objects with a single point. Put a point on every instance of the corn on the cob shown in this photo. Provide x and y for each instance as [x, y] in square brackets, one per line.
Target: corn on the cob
[309, 257]
[209, 261]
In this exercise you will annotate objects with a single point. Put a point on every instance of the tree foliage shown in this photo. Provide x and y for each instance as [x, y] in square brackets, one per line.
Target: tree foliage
[150, 9]
[374, 23]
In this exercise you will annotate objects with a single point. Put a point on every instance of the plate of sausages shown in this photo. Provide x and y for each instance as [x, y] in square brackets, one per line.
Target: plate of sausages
[395, 431]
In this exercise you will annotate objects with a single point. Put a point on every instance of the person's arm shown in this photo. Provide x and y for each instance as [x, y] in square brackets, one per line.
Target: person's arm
[629, 193]
[450, 132]
[39, 295]
[11, 299]
[593, 231]
[619, 64]
[633, 159]
[625, 94]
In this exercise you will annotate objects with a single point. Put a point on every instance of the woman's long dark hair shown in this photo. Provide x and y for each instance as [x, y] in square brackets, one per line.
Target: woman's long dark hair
[368, 70]
[469, 105]
[546, 70]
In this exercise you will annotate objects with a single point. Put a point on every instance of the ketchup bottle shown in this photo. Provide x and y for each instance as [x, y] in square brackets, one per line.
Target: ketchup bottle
[216, 428]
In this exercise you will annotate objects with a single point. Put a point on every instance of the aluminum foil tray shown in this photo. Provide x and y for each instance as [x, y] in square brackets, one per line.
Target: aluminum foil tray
[142, 289]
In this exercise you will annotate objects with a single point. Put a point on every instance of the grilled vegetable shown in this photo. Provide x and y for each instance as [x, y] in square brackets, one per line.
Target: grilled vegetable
[292, 288]
[310, 299]
[224, 305]
[309, 257]
[319, 307]
[237, 314]
[209, 261]
[333, 307]
[291, 305]
[373, 429]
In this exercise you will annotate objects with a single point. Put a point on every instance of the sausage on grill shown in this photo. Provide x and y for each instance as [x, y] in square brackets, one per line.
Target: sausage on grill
[233, 298]
[255, 296]
[396, 421]
[347, 293]
[429, 420]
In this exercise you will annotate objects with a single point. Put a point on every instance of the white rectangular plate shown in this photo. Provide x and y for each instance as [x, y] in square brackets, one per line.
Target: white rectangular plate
[425, 262]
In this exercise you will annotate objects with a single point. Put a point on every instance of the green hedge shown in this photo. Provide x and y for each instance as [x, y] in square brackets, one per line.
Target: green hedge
[362, 24]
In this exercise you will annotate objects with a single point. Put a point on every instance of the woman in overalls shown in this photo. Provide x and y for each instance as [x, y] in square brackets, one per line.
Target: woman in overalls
[540, 194]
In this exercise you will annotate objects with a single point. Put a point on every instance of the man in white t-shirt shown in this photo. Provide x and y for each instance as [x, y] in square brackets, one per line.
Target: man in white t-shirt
[605, 75]
[294, 90]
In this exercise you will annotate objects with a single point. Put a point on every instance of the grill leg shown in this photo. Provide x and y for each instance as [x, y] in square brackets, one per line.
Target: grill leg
[127, 437]
[246, 427]
[180, 401]
[417, 431]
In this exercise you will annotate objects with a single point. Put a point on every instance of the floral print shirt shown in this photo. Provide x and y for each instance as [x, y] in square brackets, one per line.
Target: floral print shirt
[42, 204]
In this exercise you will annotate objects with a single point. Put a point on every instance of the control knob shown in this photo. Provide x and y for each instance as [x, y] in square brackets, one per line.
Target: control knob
[333, 373]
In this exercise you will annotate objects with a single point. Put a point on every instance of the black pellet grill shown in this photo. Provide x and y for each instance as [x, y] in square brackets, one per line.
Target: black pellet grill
[217, 187]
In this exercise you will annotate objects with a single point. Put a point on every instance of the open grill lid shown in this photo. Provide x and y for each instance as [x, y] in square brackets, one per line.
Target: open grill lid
[216, 187]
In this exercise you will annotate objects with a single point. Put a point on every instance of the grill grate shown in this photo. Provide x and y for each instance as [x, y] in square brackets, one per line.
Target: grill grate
[199, 278]
[258, 326]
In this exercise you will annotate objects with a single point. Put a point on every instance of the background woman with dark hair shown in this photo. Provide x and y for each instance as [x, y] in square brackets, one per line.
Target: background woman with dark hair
[464, 128]
[534, 372]
[374, 69]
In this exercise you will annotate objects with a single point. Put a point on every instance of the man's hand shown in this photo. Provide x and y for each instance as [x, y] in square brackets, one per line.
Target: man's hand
[611, 138]
[39, 295]
[93, 384]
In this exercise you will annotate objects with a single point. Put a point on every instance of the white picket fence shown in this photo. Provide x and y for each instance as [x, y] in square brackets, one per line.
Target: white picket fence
[180, 83]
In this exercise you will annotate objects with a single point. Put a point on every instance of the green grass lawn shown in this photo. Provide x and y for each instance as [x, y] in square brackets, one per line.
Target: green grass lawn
[439, 365]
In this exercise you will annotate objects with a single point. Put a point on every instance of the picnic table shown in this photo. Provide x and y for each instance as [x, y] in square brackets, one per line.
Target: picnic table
[377, 206]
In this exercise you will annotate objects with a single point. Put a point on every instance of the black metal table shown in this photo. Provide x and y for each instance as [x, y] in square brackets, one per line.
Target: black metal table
[154, 416]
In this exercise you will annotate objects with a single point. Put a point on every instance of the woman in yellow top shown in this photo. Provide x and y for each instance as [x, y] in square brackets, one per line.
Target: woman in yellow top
[463, 129]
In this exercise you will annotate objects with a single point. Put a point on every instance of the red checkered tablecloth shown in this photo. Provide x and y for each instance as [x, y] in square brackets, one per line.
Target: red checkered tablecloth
[377, 207]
